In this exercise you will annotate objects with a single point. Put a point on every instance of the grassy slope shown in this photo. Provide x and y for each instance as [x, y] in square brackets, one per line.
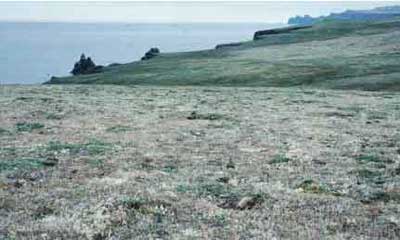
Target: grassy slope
[349, 55]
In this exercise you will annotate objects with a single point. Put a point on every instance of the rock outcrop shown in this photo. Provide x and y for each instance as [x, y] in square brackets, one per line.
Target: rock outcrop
[153, 52]
[227, 45]
[85, 66]
[263, 33]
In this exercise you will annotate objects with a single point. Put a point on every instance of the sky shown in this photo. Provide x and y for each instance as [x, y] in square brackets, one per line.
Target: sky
[177, 11]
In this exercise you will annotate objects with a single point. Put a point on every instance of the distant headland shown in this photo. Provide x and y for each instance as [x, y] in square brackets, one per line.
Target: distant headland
[379, 13]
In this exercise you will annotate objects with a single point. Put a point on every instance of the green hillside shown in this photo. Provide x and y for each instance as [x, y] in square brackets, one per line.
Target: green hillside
[361, 55]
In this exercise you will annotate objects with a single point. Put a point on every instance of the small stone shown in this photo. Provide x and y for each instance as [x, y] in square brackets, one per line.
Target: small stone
[233, 182]
[397, 170]
[34, 176]
[19, 183]
[223, 179]
[83, 152]
[197, 134]
[319, 162]
[246, 203]
[50, 161]
[230, 164]
[193, 115]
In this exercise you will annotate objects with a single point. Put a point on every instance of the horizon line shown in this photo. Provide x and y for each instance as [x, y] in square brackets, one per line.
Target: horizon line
[138, 22]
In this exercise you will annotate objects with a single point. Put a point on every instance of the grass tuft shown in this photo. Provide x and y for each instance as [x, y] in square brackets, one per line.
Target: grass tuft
[22, 164]
[311, 186]
[4, 132]
[53, 116]
[93, 147]
[28, 127]
[279, 159]
[368, 158]
[133, 202]
[368, 174]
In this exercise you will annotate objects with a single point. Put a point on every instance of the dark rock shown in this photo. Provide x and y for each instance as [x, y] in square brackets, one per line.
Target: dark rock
[263, 33]
[153, 52]
[19, 183]
[223, 179]
[397, 170]
[230, 164]
[34, 176]
[50, 161]
[244, 203]
[209, 116]
[319, 162]
[226, 45]
[85, 66]
[193, 115]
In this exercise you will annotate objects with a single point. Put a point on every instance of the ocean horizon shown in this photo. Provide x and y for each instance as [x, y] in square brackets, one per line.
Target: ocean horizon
[32, 52]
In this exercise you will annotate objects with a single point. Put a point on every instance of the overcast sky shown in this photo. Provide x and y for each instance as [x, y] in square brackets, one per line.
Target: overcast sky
[182, 11]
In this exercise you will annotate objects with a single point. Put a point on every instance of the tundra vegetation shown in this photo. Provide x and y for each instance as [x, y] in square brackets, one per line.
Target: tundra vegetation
[198, 163]
[282, 153]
